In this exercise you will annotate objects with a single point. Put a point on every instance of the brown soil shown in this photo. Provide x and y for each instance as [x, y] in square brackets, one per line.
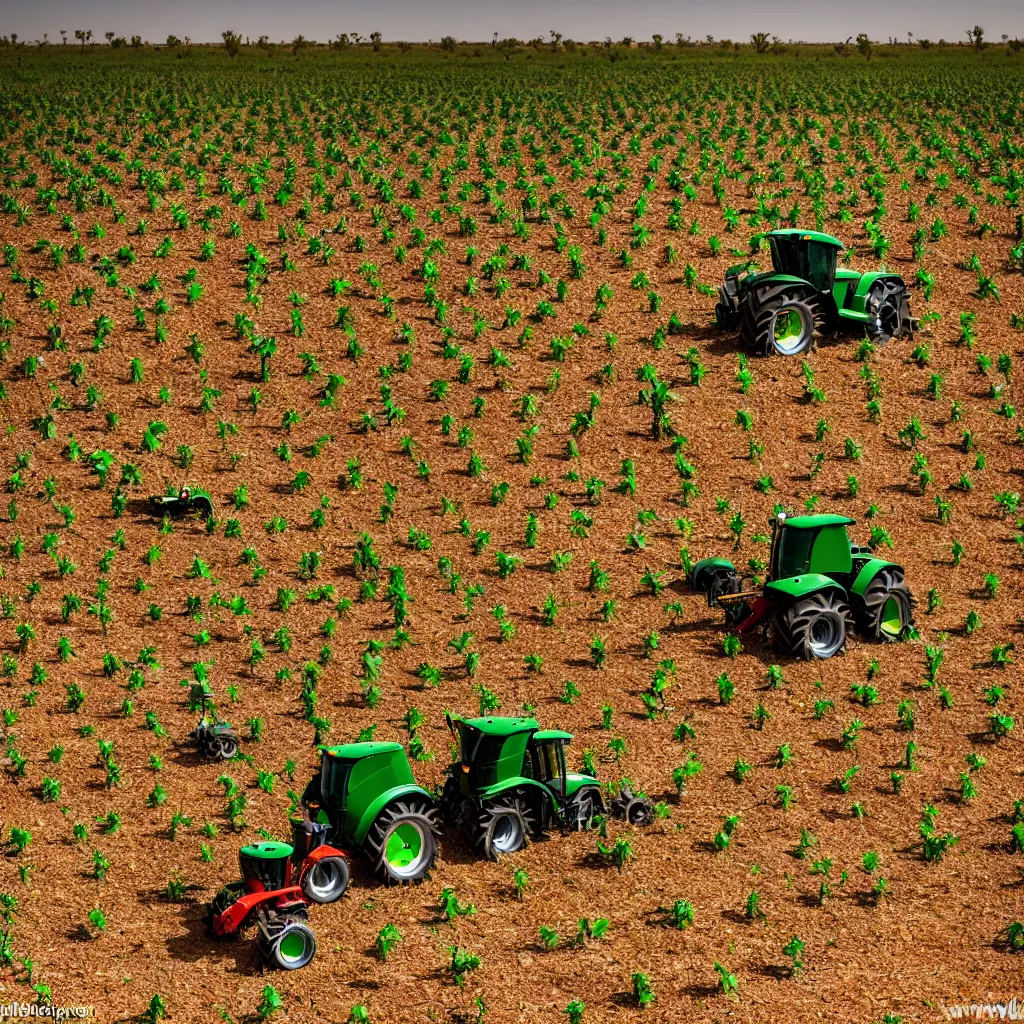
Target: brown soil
[930, 942]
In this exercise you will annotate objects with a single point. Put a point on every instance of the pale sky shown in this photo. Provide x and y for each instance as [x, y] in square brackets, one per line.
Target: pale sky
[415, 20]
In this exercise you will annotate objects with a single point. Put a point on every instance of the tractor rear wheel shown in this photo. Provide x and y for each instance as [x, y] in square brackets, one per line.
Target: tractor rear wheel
[814, 626]
[326, 881]
[887, 605]
[503, 826]
[783, 320]
[401, 844]
[294, 947]
[889, 302]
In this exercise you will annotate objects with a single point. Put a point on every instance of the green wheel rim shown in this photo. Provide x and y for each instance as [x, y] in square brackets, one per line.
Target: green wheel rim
[293, 946]
[790, 331]
[788, 325]
[892, 619]
[403, 846]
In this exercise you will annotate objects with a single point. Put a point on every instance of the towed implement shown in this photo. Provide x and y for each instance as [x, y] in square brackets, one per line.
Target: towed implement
[187, 501]
[212, 737]
[820, 588]
[511, 782]
[804, 295]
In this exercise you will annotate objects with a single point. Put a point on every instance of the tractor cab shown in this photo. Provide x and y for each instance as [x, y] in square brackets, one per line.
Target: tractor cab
[545, 760]
[814, 544]
[808, 255]
[367, 797]
[351, 775]
[493, 749]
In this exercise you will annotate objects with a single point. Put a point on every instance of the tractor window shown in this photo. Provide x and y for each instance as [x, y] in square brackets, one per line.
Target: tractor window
[821, 266]
[548, 761]
[812, 261]
[334, 781]
[795, 552]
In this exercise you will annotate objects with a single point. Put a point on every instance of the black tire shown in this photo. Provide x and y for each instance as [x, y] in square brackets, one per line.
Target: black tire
[326, 881]
[887, 606]
[451, 799]
[503, 826]
[401, 844]
[584, 807]
[814, 627]
[889, 302]
[294, 947]
[632, 809]
[226, 747]
[765, 313]
[726, 318]
[202, 505]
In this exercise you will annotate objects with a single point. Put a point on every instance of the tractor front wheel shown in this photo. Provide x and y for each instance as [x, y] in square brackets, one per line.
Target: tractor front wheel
[401, 844]
[502, 827]
[889, 303]
[887, 605]
[584, 807]
[814, 626]
[783, 321]
[294, 947]
[326, 881]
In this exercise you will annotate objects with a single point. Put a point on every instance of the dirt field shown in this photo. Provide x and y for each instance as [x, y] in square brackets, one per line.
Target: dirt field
[931, 941]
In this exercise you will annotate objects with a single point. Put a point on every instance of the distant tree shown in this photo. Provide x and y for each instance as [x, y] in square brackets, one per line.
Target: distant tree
[448, 43]
[264, 43]
[340, 41]
[657, 40]
[682, 40]
[232, 42]
[109, 36]
[506, 47]
[375, 38]
[80, 34]
[556, 41]
[299, 43]
[136, 42]
[864, 45]
[173, 40]
[760, 41]
[977, 36]
[64, 36]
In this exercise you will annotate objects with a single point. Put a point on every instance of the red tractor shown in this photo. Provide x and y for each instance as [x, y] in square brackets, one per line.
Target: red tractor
[279, 881]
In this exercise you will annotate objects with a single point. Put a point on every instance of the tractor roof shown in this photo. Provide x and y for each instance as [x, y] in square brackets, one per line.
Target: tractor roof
[552, 734]
[807, 236]
[267, 851]
[353, 751]
[814, 522]
[502, 726]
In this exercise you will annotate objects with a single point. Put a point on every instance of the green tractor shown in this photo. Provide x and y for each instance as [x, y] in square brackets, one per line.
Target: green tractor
[511, 781]
[366, 794]
[804, 294]
[820, 586]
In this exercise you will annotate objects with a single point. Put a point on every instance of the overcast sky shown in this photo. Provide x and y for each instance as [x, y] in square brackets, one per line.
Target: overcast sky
[415, 20]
